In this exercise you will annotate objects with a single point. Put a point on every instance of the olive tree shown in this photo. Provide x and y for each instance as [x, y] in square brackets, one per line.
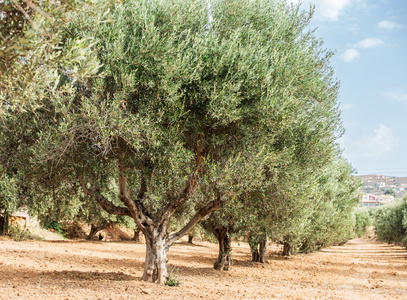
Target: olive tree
[333, 219]
[190, 97]
[390, 221]
[223, 224]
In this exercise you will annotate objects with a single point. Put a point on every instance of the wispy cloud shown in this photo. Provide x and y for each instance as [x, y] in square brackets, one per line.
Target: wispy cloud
[381, 141]
[388, 25]
[350, 55]
[397, 95]
[369, 43]
[327, 9]
[346, 106]
[354, 27]
[331, 9]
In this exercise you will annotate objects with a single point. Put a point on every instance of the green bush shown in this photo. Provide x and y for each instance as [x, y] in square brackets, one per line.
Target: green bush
[54, 225]
[173, 278]
[18, 234]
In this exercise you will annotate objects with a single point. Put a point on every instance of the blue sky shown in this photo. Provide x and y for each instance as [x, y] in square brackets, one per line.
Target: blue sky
[370, 39]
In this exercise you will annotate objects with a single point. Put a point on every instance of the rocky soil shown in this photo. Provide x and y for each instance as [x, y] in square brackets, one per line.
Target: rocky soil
[361, 269]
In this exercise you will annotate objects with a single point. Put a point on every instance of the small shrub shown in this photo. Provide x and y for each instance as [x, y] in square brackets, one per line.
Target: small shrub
[55, 226]
[173, 278]
[18, 234]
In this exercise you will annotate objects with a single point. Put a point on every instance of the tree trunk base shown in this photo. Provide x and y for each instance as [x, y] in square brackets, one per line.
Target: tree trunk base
[286, 249]
[255, 255]
[224, 261]
[259, 250]
[262, 251]
[155, 268]
[4, 224]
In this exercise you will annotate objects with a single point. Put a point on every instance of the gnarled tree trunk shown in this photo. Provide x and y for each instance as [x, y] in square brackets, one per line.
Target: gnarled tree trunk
[155, 268]
[255, 252]
[224, 261]
[153, 226]
[4, 224]
[287, 249]
[258, 249]
[95, 229]
[222, 234]
[262, 251]
[190, 238]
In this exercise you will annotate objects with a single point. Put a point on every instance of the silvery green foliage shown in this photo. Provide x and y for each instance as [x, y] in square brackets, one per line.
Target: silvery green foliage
[249, 95]
[9, 200]
[332, 221]
[37, 51]
[362, 221]
[390, 221]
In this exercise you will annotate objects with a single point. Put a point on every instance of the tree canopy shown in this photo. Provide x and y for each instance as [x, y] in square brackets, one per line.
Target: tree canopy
[36, 53]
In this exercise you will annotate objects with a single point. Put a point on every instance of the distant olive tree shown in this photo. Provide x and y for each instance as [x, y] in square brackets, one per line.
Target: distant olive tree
[362, 221]
[390, 221]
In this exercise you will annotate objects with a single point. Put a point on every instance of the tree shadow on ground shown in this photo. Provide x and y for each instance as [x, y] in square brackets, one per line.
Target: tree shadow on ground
[182, 243]
[68, 276]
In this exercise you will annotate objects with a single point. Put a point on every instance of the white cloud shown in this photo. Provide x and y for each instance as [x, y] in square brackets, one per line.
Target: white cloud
[397, 95]
[369, 43]
[350, 55]
[331, 9]
[327, 9]
[380, 142]
[388, 25]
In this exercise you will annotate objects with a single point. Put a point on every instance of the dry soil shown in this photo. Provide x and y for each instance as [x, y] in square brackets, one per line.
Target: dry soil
[361, 269]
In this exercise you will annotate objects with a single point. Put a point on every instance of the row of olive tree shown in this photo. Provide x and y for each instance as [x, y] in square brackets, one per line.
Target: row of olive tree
[304, 212]
[193, 109]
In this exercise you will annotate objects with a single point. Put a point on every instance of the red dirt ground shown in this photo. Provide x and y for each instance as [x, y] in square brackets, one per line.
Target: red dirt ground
[361, 269]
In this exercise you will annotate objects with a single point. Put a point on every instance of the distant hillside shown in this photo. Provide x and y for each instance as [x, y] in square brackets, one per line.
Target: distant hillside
[378, 184]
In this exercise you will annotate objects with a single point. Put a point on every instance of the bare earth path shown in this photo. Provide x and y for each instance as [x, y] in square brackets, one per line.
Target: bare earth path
[361, 269]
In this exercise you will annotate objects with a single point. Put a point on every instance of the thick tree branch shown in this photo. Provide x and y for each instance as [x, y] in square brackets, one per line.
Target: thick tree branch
[89, 192]
[210, 207]
[173, 205]
[187, 193]
[102, 201]
[138, 211]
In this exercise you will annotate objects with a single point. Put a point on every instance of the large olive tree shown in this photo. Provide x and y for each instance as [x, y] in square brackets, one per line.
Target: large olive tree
[191, 97]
